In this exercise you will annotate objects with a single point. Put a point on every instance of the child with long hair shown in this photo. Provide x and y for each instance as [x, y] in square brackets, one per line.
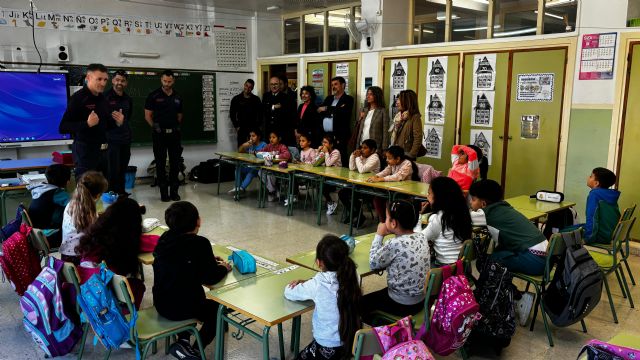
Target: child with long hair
[80, 213]
[251, 146]
[399, 168]
[115, 239]
[335, 290]
[332, 157]
[450, 223]
[406, 259]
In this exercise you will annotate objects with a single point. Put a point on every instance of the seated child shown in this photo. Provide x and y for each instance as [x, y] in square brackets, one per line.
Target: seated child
[184, 262]
[464, 166]
[399, 168]
[600, 181]
[308, 155]
[48, 201]
[406, 259]
[450, 224]
[332, 157]
[335, 290]
[115, 239]
[282, 153]
[364, 160]
[80, 213]
[252, 146]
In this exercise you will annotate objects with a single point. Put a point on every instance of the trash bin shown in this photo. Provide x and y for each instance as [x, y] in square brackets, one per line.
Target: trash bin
[130, 177]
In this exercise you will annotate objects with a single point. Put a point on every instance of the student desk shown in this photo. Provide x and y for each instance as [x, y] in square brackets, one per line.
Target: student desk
[524, 202]
[9, 188]
[261, 299]
[285, 174]
[13, 166]
[237, 159]
[532, 215]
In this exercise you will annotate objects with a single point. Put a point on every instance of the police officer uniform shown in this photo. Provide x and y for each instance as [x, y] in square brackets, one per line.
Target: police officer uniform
[119, 140]
[88, 142]
[166, 139]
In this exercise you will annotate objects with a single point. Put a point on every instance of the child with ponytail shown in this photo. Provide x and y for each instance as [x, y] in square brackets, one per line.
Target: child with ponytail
[80, 213]
[336, 293]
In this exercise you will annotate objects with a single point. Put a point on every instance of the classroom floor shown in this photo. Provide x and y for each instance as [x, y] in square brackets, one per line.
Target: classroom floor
[270, 233]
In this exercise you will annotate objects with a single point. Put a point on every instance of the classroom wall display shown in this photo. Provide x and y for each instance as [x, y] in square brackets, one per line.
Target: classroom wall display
[484, 75]
[317, 81]
[432, 140]
[437, 73]
[597, 56]
[231, 46]
[436, 104]
[398, 83]
[535, 87]
[228, 86]
[530, 127]
[342, 69]
[483, 139]
[482, 108]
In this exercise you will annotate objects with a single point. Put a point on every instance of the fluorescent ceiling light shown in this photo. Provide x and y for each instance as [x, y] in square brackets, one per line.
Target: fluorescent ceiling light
[475, 28]
[551, 15]
[482, 1]
[559, 2]
[273, 8]
[429, 31]
[515, 32]
[142, 55]
[444, 17]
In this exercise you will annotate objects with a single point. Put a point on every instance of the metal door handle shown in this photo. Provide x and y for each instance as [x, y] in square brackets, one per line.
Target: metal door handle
[500, 137]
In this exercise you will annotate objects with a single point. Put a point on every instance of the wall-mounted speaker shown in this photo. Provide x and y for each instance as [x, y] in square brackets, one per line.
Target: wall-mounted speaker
[62, 53]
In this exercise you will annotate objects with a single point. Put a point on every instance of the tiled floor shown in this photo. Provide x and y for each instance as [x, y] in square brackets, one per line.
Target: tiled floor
[269, 232]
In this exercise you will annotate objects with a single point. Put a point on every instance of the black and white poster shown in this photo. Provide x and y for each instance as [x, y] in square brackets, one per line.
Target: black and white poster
[484, 72]
[436, 101]
[483, 139]
[535, 87]
[482, 108]
[437, 73]
[432, 141]
[398, 83]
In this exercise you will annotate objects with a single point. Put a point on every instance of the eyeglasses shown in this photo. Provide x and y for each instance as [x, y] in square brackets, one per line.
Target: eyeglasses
[275, 84]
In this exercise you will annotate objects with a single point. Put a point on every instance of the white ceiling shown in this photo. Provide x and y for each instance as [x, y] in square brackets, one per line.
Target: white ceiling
[284, 6]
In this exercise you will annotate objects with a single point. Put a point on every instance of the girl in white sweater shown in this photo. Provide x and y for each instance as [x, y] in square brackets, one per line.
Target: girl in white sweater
[450, 223]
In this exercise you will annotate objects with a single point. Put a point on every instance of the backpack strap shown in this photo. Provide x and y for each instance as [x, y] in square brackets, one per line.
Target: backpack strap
[572, 239]
[459, 268]
[446, 272]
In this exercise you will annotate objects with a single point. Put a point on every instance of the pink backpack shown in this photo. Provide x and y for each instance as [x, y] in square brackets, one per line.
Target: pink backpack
[597, 349]
[397, 342]
[19, 260]
[456, 312]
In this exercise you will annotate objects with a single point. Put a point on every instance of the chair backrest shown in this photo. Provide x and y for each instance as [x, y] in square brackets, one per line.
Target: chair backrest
[621, 235]
[555, 248]
[25, 216]
[434, 284]
[628, 212]
[70, 274]
[467, 254]
[39, 241]
[122, 292]
[365, 343]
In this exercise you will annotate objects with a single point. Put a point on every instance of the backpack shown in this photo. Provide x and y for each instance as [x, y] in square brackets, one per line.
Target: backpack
[397, 342]
[576, 285]
[494, 293]
[12, 226]
[455, 314]
[559, 220]
[19, 260]
[101, 310]
[45, 316]
[243, 261]
[207, 172]
[600, 350]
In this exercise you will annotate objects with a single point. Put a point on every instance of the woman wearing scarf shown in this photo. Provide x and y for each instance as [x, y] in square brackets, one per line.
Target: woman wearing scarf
[406, 129]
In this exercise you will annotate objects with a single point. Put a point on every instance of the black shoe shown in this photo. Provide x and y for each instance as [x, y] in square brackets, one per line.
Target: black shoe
[183, 350]
[164, 194]
[175, 197]
[165, 198]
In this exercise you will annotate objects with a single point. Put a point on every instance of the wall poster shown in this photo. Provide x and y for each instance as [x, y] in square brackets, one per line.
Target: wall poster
[432, 141]
[483, 139]
[482, 108]
[535, 87]
[398, 83]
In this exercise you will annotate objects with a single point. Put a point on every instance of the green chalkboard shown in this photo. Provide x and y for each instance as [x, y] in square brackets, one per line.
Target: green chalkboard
[198, 92]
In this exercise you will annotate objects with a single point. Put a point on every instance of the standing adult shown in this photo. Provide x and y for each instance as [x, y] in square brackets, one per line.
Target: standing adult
[119, 137]
[163, 112]
[87, 119]
[275, 105]
[245, 112]
[308, 121]
[374, 121]
[406, 130]
[336, 111]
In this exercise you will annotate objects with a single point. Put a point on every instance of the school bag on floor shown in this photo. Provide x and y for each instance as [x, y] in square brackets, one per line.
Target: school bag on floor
[19, 260]
[101, 310]
[494, 294]
[455, 315]
[576, 285]
[600, 350]
[12, 226]
[397, 342]
[45, 313]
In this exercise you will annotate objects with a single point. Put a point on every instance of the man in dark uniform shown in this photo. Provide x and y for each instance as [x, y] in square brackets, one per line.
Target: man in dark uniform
[87, 118]
[119, 137]
[336, 112]
[245, 112]
[275, 105]
[163, 112]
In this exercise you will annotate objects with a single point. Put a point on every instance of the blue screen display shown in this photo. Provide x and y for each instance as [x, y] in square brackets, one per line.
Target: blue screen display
[31, 106]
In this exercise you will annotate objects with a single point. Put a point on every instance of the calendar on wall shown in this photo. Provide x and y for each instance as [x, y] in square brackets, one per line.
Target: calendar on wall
[231, 47]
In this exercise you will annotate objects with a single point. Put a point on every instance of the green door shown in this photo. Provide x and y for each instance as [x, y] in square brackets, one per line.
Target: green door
[318, 76]
[412, 78]
[352, 83]
[628, 166]
[532, 162]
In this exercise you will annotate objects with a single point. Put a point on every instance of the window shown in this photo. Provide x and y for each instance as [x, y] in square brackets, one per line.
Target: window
[314, 32]
[292, 36]
[338, 35]
[515, 18]
[429, 22]
[469, 20]
[560, 16]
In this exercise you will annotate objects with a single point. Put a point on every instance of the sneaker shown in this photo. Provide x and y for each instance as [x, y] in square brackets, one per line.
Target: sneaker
[294, 199]
[331, 207]
[523, 308]
[271, 197]
[181, 349]
[232, 191]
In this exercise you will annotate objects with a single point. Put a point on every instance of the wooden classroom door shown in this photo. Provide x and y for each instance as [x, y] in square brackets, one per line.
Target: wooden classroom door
[628, 164]
[318, 76]
[537, 89]
[349, 71]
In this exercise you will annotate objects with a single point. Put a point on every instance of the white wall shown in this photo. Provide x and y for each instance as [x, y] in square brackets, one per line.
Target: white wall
[183, 53]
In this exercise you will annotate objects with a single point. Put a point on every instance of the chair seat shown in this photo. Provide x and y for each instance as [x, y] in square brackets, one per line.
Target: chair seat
[536, 279]
[604, 261]
[608, 247]
[150, 324]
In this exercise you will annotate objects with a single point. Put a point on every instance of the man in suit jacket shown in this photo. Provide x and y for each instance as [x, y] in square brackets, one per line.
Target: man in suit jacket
[276, 105]
[336, 112]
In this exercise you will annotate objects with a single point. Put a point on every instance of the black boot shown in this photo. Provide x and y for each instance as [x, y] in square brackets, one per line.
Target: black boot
[164, 194]
[174, 194]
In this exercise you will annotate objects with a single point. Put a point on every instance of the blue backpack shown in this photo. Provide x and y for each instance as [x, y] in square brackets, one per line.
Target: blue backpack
[102, 311]
[243, 261]
[45, 316]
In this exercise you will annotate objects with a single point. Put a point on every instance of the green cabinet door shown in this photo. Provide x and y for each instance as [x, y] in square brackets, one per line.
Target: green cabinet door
[532, 163]
[319, 71]
[629, 167]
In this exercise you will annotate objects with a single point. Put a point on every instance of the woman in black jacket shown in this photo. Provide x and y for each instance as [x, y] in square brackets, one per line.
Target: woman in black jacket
[308, 121]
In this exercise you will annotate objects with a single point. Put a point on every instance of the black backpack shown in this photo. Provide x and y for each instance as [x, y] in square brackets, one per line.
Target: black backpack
[207, 172]
[576, 286]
